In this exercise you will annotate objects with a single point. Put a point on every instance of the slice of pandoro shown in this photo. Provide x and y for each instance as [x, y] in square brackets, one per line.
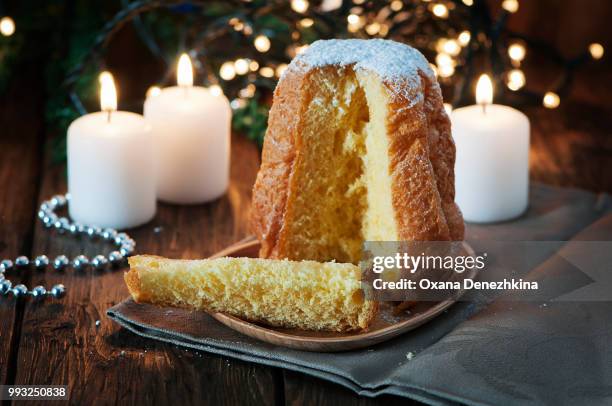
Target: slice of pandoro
[307, 294]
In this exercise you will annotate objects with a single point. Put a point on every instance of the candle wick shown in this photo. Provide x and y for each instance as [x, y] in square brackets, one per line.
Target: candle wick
[185, 91]
[484, 108]
[108, 116]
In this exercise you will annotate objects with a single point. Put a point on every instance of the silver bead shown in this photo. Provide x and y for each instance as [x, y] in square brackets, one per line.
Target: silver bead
[80, 262]
[5, 286]
[92, 231]
[41, 262]
[54, 201]
[6, 265]
[61, 262]
[109, 234]
[99, 262]
[57, 290]
[19, 290]
[39, 291]
[62, 224]
[115, 258]
[45, 207]
[59, 200]
[120, 238]
[65, 223]
[42, 214]
[125, 251]
[73, 228]
[48, 221]
[22, 262]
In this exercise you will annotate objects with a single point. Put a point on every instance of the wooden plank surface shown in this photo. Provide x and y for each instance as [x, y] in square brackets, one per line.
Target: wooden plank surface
[20, 151]
[61, 344]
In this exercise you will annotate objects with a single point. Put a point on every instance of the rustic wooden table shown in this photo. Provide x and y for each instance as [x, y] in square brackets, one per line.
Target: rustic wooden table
[58, 342]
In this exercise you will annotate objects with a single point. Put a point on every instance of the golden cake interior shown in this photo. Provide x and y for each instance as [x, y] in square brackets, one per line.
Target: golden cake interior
[305, 294]
[345, 148]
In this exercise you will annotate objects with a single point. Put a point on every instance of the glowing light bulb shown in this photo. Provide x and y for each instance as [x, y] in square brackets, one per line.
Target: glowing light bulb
[262, 43]
[237, 104]
[299, 6]
[484, 90]
[184, 71]
[329, 5]
[468, 2]
[108, 93]
[373, 29]
[227, 71]
[253, 66]
[153, 91]
[446, 71]
[384, 30]
[511, 6]
[215, 90]
[464, 38]
[443, 60]
[596, 50]
[551, 100]
[248, 91]
[440, 10]
[7, 26]
[451, 47]
[301, 49]
[516, 79]
[241, 66]
[280, 69]
[517, 52]
[306, 22]
[353, 19]
[396, 5]
[266, 72]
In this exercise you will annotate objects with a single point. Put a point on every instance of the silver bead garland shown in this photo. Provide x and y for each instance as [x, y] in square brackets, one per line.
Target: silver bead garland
[125, 244]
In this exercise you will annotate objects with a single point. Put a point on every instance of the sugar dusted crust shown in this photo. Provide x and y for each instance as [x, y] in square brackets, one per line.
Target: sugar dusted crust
[421, 149]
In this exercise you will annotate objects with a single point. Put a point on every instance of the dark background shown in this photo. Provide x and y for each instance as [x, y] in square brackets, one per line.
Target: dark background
[570, 145]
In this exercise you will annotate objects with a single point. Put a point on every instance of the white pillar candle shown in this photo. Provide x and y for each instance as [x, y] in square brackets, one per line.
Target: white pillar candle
[110, 166]
[191, 131]
[492, 165]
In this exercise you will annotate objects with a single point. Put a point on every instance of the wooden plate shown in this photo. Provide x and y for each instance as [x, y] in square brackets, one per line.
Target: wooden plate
[386, 326]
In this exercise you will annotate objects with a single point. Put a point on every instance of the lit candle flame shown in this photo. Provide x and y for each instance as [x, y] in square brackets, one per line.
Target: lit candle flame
[108, 93]
[484, 91]
[184, 73]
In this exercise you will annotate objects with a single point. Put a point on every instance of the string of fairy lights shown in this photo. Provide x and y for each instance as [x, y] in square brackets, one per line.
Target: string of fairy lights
[451, 33]
[452, 55]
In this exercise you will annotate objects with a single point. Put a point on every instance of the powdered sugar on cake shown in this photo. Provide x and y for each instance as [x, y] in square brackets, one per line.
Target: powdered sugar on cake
[397, 64]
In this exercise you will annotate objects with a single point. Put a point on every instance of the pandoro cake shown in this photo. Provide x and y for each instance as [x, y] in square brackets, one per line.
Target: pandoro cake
[358, 147]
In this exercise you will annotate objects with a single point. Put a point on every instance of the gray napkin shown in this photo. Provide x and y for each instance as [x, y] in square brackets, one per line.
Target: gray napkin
[475, 353]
